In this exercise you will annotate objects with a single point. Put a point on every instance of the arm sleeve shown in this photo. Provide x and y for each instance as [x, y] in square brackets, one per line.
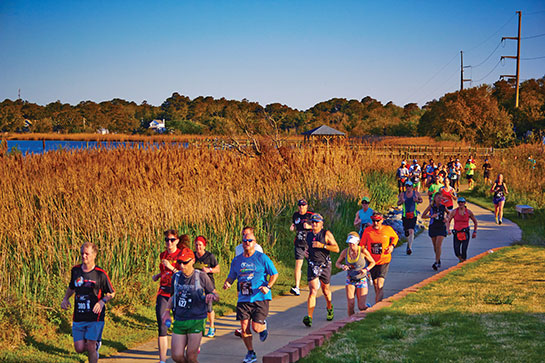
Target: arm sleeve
[213, 261]
[269, 266]
[232, 271]
[207, 283]
[71, 283]
[107, 285]
[394, 235]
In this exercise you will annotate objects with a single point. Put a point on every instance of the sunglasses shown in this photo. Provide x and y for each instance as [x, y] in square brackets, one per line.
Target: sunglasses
[186, 262]
[247, 240]
[377, 220]
[170, 239]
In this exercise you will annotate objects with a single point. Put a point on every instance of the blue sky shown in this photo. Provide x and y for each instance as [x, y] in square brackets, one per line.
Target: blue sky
[294, 52]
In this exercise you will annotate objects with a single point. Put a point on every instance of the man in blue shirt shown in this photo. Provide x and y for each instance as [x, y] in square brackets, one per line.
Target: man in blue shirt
[252, 269]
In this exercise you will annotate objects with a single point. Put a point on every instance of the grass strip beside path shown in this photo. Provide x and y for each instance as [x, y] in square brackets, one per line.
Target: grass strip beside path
[490, 310]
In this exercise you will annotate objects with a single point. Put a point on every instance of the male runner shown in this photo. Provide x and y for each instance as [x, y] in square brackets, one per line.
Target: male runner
[301, 224]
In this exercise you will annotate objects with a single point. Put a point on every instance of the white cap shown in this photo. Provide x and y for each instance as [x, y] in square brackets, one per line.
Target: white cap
[353, 239]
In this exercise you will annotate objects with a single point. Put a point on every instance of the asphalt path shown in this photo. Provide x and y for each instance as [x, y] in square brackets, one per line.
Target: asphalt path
[286, 312]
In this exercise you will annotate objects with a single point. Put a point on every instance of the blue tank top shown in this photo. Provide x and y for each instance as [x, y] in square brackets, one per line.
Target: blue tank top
[409, 205]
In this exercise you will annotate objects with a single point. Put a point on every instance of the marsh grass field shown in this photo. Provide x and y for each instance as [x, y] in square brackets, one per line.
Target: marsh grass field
[122, 199]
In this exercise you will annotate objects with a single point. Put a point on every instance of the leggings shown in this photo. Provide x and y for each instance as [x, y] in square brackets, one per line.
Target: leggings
[160, 308]
[460, 247]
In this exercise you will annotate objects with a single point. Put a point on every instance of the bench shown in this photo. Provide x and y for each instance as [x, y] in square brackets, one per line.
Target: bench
[523, 209]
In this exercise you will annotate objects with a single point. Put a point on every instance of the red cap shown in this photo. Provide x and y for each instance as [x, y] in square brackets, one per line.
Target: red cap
[187, 254]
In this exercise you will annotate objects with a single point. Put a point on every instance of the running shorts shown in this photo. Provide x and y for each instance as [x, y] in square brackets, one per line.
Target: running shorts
[88, 330]
[256, 311]
[300, 252]
[379, 271]
[408, 223]
[359, 284]
[439, 230]
[498, 200]
[320, 271]
[184, 327]
[160, 308]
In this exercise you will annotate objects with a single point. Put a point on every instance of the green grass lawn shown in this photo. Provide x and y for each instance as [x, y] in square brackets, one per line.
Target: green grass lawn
[490, 310]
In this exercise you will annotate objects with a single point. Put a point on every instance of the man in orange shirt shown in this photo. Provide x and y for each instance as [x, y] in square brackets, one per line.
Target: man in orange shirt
[379, 240]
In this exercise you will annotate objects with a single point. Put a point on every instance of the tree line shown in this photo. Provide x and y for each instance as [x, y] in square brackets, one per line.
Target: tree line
[481, 115]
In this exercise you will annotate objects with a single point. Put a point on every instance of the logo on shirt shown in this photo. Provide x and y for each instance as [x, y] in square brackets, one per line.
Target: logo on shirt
[79, 281]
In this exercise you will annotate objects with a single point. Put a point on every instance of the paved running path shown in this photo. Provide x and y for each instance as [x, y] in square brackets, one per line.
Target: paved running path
[287, 312]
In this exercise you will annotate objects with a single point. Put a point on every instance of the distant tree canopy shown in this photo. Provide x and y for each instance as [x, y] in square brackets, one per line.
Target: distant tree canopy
[484, 114]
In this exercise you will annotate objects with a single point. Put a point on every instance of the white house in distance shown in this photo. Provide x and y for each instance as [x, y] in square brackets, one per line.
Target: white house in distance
[103, 131]
[158, 126]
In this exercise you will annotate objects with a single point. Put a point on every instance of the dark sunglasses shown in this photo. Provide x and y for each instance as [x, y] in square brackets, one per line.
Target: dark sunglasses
[377, 220]
[185, 262]
[247, 240]
[170, 239]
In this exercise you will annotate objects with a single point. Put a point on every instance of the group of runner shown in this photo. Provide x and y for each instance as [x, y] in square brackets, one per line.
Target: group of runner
[186, 275]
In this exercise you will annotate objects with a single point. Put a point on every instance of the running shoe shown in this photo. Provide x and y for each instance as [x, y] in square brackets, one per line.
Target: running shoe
[251, 357]
[409, 251]
[238, 333]
[307, 320]
[439, 264]
[211, 333]
[264, 334]
[295, 291]
[330, 314]
[434, 266]
[499, 222]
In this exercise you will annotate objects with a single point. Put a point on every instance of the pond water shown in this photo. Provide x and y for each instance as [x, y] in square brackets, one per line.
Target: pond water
[40, 146]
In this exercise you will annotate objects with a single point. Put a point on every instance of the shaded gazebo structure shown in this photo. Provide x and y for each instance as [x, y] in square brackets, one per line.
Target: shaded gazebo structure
[323, 133]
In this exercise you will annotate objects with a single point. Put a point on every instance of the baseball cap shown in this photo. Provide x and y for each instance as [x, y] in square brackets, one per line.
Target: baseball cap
[377, 216]
[353, 238]
[409, 183]
[302, 202]
[461, 199]
[415, 161]
[187, 254]
[403, 162]
[365, 199]
[316, 218]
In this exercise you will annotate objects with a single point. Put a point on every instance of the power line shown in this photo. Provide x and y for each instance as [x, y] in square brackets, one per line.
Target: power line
[534, 36]
[487, 58]
[435, 89]
[532, 58]
[493, 35]
[489, 73]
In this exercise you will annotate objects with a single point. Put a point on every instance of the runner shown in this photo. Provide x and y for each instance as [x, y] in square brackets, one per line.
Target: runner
[254, 291]
[438, 215]
[458, 170]
[380, 241]
[207, 262]
[486, 171]
[320, 243]
[168, 267]
[93, 290]
[461, 216]
[402, 176]
[192, 292]
[415, 173]
[448, 194]
[435, 187]
[470, 171]
[500, 191]
[356, 273]
[363, 216]
[409, 199]
[301, 224]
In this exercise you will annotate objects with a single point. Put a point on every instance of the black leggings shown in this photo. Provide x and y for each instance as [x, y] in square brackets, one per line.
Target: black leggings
[460, 247]
[160, 308]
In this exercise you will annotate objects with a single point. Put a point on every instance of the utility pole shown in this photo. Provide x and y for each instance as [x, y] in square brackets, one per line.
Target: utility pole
[462, 80]
[517, 57]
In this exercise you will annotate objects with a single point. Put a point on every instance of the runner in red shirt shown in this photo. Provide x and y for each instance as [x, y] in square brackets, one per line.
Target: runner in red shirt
[169, 266]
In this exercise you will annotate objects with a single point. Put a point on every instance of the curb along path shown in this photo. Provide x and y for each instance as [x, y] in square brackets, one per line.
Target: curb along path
[290, 340]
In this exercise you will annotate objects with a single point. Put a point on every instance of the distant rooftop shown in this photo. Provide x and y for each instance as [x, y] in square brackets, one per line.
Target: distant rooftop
[323, 131]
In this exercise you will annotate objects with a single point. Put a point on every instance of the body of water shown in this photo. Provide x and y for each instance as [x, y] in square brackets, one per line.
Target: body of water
[41, 146]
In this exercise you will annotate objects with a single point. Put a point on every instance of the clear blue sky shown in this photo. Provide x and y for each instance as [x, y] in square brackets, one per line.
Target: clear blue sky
[294, 52]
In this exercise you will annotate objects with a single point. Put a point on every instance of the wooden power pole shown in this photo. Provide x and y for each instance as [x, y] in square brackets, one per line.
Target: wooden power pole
[517, 57]
[462, 80]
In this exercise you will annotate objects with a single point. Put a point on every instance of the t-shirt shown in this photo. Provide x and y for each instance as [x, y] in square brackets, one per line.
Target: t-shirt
[434, 188]
[165, 283]
[251, 273]
[299, 221]
[378, 241]
[402, 173]
[206, 260]
[365, 217]
[487, 167]
[470, 168]
[89, 287]
[189, 294]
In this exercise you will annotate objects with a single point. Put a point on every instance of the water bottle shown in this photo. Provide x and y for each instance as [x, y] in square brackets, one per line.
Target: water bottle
[168, 323]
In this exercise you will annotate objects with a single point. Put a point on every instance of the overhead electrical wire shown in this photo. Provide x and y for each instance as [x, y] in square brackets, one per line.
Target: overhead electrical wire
[487, 58]
[533, 36]
[489, 73]
[533, 58]
[491, 36]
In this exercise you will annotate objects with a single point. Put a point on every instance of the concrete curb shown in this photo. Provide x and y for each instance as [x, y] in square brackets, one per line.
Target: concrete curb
[300, 348]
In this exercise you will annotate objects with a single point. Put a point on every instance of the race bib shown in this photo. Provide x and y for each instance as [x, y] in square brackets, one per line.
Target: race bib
[376, 248]
[83, 304]
[409, 215]
[184, 299]
[246, 288]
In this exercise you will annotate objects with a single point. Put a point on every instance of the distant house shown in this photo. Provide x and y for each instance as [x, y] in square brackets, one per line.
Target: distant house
[103, 131]
[158, 126]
